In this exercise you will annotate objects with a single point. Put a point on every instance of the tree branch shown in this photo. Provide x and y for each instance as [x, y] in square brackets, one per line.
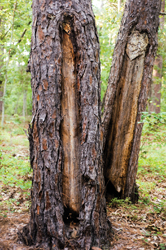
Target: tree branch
[23, 34]
[162, 13]
[5, 34]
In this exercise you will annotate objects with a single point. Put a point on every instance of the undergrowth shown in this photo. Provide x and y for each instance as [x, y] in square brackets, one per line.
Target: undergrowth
[15, 172]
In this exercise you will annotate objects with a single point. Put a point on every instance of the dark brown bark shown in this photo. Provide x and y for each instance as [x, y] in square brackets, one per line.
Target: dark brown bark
[155, 89]
[127, 93]
[68, 204]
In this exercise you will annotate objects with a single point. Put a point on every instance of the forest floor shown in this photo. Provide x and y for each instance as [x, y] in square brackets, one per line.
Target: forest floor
[136, 226]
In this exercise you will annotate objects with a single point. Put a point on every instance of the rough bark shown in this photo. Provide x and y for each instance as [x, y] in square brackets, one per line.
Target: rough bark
[68, 204]
[155, 89]
[127, 94]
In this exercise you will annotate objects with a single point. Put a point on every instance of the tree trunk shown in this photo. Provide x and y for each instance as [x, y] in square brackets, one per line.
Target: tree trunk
[155, 94]
[7, 63]
[127, 94]
[119, 5]
[24, 103]
[1, 64]
[68, 203]
[155, 90]
[1, 95]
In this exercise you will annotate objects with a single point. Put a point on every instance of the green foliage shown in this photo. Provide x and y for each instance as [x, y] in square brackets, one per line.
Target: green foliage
[115, 202]
[18, 80]
[162, 52]
[15, 172]
[108, 22]
[152, 158]
[11, 169]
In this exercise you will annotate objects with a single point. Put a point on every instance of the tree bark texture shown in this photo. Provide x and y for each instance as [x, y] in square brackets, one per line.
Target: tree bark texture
[68, 205]
[155, 89]
[127, 93]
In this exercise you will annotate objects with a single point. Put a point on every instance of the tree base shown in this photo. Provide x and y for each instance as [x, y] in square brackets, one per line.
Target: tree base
[73, 240]
[112, 193]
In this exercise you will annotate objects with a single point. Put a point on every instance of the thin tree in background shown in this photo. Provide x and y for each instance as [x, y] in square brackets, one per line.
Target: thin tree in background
[155, 90]
[119, 5]
[7, 63]
[1, 64]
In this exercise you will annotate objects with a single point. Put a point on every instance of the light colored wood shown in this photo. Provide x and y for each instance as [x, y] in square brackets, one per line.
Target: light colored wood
[125, 109]
[70, 126]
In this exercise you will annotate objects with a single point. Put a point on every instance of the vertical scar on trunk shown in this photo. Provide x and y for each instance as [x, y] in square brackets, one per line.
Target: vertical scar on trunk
[70, 131]
[125, 111]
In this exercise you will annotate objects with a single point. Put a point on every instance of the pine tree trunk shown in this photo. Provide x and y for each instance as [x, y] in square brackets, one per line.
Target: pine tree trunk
[127, 95]
[155, 89]
[68, 204]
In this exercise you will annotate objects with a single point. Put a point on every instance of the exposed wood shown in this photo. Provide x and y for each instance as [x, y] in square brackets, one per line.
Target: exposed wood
[70, 129]
[127, 93]
[125, 111]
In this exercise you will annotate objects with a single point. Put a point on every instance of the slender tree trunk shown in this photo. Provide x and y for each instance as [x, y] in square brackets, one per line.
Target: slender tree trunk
[155, 90]
[68, 203]
[127, 94]
[7, 63]
[16, 107]
[1, 64]
[24, 103]
[1, 86]
[1, 95]
[119, 5]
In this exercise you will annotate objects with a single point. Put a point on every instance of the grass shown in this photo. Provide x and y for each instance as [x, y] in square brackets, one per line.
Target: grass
[15, 172]
[152, 160]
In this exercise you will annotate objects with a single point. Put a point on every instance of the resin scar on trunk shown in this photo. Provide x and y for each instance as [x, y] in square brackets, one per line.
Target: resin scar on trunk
[70, 125]
[125, 111]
